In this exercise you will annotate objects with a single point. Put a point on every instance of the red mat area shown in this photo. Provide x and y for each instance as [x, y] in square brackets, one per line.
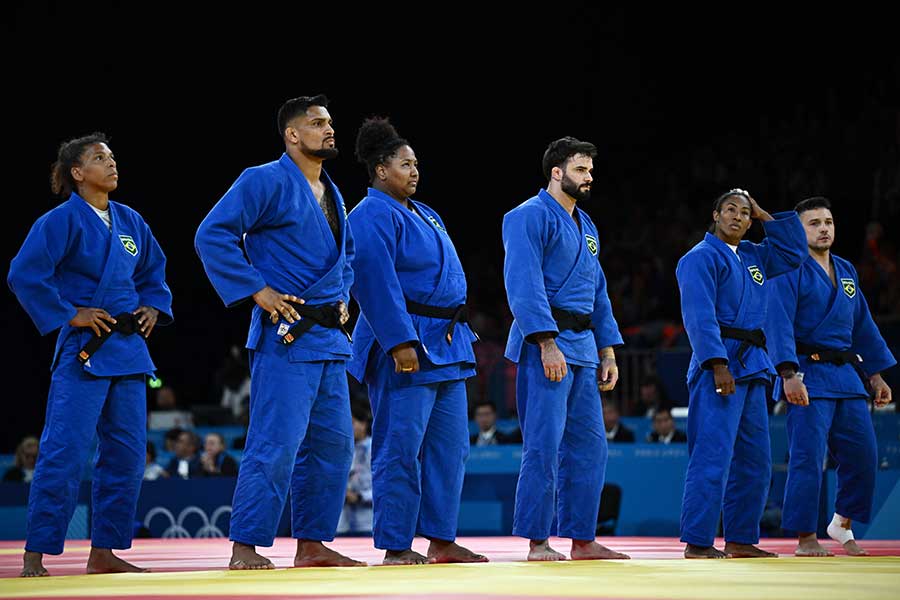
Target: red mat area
[162, 555]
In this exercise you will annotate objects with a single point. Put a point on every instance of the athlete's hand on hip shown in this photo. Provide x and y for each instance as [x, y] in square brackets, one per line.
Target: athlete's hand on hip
[795, 391]
[882, 390]
[147, 316]
[609, 374]
[93, 318]
[276, 304]
[345, 314]
[724, 380]
[554, 361]
[405, 358]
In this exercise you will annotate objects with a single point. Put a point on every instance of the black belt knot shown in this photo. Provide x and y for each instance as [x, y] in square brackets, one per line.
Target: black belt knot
[835, 357]
[568, 320]
[455, 314]
[126, 324]
[747, 337]
[326, 315]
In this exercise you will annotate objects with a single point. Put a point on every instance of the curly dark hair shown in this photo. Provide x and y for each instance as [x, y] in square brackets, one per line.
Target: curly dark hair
[69, 156]
[561, 150]
[376, 142]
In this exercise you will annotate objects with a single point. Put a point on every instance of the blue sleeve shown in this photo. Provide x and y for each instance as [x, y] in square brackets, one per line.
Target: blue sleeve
[867, 340]
[606, 330]
[349, 255]
[697, 283]
[32, 273]
[150, 279]
[218, 238]
[376, 286]
[784, 248]
[523, 274]
[780, 317]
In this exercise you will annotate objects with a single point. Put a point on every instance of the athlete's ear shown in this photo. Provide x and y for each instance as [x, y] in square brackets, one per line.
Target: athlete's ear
[556, 174]
[290, 134]
[77, 175]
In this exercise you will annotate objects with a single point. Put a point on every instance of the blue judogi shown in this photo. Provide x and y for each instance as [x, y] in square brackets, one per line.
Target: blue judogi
[72, 259]
[300, 433]
[551, 261]
[420, 438]
[806, 307]
[728, 436]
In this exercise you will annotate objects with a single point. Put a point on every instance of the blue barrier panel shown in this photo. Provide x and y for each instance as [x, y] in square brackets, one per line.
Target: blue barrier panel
[885, 524]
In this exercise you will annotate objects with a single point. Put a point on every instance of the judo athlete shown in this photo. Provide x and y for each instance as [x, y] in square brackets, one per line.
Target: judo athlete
[291, 219]
[412, 346]
[826, 347]
[723, 283]
[92, 269]
[557, 293]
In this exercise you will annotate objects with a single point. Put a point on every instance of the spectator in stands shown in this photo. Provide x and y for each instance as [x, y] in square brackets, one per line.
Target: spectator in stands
[153, 470]
[172, 438]
[488, 434]
[185, 463]
[650, 396]
[615, 431]
[356, 516]
[664, 431]
[214, 461]
[26, 457]
[166, 413]
[233, 384]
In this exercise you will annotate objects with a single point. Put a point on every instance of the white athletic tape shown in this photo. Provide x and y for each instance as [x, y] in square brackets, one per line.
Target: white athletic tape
[838, 533]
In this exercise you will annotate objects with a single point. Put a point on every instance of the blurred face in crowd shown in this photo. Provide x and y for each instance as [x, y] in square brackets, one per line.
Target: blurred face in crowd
[663, 423]
[610, 416]
[485, 417]
[819, 225]
[648, 393]
[184, 446]
[29, 453]
[359, 430]
[213, 445]
[165, 398]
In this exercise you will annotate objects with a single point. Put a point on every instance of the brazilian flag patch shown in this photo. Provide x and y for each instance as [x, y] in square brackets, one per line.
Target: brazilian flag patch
[436, 224]
[849, 287]
[129, 244]
[756, 274]
[591, 243]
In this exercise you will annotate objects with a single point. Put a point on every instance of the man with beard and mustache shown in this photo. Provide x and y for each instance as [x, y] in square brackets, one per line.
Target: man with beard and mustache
[292, 221]
[723, 286]
[826, 347]
[562, 339]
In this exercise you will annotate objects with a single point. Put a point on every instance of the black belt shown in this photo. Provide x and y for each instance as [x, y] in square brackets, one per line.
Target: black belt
[126, 324]
[748, 337]
[569, 320]
[455, 314]
[326, 315]
[836, 357]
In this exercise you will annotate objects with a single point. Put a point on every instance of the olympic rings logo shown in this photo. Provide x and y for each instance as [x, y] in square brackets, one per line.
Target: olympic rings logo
[177, 529]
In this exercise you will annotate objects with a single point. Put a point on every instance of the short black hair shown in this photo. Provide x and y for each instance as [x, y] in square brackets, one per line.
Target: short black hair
[487, 403]
[173, 433]
[561, 150]
[376, 142]
[812, 204]
[69, 156]
[297, 106]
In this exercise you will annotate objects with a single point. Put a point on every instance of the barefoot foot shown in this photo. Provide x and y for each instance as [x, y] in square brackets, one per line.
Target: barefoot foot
[102, 560]
[540, 550]
[692, 551]
[312, 553]
[809, 546]
[591, 550]
[244, 557]
[443, 551]
[854, 550]
[405, 557]
[33, 565]
[734, 550]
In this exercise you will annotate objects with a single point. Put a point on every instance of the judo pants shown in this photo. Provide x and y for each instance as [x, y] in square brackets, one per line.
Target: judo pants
[564, 451]
[843, 428]
[420, 443]
[730, 464]
[80, 405]
[300, 435]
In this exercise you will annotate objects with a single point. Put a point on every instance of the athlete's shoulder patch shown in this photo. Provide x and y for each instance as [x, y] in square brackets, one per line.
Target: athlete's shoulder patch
[756, 274]
[591, 243]
[849, 286]
[129, 244]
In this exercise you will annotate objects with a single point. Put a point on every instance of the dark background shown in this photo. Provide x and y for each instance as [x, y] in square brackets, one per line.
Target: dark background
[683, 106]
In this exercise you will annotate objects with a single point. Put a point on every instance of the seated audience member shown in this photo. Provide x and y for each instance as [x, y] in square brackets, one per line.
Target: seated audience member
[356, 516]
[166, 414]
[650, 396]
[615, 431]
[214, 460]
[185, 464]
[26, 457]
[152, 470]
[664, 431]
[488, 434]
[172, 439]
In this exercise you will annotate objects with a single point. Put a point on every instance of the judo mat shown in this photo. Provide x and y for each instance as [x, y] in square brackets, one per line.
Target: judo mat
[196, 568]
